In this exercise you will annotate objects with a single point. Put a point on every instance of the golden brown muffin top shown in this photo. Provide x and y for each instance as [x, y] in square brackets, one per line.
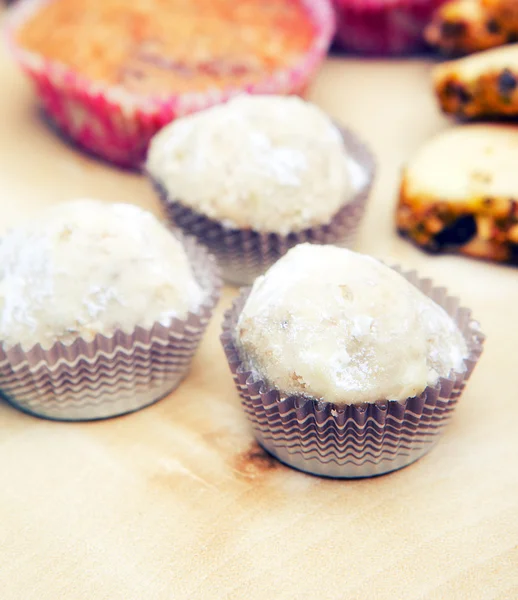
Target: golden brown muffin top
[170, 46]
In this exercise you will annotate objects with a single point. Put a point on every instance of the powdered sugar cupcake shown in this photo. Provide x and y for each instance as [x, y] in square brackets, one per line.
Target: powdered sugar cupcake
[345, 367]
[258, 175]
[101, 310]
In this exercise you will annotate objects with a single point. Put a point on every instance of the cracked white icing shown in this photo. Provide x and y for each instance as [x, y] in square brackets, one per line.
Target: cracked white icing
[268, 163]
[86, 267]
[333, 324]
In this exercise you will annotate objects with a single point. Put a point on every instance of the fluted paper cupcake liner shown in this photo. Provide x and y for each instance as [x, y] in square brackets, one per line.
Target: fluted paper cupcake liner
[348, 441]
[117, 125]
[383, 26]
[244, 254]
[113, 375]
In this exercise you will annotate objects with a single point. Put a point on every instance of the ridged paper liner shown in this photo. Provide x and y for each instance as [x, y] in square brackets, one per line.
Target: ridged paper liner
[244, 254]
[117, 125]
[110, 376]
[352, 440]
[383, 26]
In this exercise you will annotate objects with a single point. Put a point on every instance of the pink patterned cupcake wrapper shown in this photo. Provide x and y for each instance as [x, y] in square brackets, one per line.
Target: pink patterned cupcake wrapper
[110, 376]
[350, 441]
[116, 124]
[244, 254]
[383, 26]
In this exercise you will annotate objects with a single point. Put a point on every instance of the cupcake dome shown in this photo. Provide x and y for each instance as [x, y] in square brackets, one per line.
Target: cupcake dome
[101, 310]
[259, 175]
[267, 163]
[85, 267]
[160, 47]
[331, 324]
[347, 368]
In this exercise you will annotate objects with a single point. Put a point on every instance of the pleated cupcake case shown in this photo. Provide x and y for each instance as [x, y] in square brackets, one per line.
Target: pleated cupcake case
[352, 441]
[113, 375]
[244, 254]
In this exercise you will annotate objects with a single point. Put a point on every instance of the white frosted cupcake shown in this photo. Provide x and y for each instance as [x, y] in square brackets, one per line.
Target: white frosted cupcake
[257, 175]
[101, 309]
[347, 368]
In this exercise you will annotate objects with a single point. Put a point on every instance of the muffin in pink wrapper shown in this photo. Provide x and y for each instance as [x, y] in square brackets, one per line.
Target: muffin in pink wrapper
[259, 175]
[383, 26]
[347, 367]
[102, 308]
[111, 74]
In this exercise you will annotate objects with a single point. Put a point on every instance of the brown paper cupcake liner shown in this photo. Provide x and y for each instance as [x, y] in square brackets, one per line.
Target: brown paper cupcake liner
[350, 441]
[244, 254]
[110, 376]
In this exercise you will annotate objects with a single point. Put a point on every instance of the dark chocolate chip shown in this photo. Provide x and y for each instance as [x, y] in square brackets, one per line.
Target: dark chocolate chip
[513, 253]
[493, 26]
[506, 83]
[458, 233]
[453, 88]
[464, 96]
[453, 29]
[512, 37]
[450, 88]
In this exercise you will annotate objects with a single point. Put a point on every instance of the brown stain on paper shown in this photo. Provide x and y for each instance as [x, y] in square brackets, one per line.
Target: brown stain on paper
[255, 461]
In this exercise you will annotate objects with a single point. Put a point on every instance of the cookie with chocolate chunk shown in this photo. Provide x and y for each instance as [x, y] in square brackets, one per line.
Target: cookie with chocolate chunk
[466, 26]
[482, 85]
[460, 193]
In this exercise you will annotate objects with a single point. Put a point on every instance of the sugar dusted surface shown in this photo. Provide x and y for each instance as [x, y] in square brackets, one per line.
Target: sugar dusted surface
[263, 162]
[84, 267]
[333, 324]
